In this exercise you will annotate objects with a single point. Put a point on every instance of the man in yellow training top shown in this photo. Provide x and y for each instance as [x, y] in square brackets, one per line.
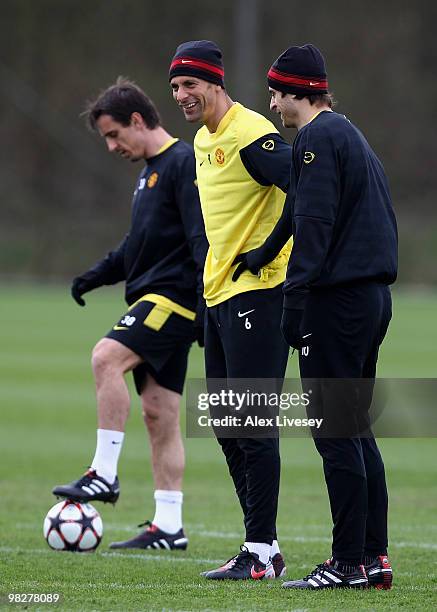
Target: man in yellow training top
[243, 170]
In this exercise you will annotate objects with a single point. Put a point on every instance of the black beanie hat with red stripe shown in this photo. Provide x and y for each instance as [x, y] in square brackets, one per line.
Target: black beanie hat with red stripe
[198, 58]
[300, 71]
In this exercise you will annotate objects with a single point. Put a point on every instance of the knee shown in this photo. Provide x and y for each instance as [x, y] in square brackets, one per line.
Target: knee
[102, 360]
[266, 448]
[160, 417]
[151, 415]
[341, 455]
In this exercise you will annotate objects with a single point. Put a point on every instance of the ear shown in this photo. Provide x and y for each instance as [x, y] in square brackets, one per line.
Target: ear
[136, 120]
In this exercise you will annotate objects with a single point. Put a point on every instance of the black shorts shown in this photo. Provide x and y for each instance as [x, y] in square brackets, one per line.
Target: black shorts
[243, 338]
[162, 338]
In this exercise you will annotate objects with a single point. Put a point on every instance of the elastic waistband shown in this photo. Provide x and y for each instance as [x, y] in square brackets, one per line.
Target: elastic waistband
[167, 303]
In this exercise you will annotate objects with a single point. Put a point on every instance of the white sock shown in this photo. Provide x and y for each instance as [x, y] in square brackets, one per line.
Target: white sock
[261, 549]
[108, 450]
[168, 510]
[275, 548]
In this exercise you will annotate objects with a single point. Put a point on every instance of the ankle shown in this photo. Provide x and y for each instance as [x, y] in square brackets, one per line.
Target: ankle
[345, 567]
[368, 559]
[262, 549]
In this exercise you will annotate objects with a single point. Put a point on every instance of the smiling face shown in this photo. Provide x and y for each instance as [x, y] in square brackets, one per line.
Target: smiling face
[286, 106]
[125, 140]
[197, 98]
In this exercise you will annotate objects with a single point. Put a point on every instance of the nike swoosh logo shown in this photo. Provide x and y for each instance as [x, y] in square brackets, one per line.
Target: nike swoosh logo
[117, 327]
[257, 575]
[187, 61]
[113, 442]
[314, 82]
[243, 314]
[307, 335]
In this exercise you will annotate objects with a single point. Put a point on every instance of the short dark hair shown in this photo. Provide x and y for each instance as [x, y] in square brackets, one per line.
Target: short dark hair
[319, 99]
[120, 101]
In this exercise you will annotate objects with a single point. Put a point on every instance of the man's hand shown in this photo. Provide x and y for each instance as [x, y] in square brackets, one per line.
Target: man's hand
[199, 322]
[79, 287]
[291, 327]
[252, 260]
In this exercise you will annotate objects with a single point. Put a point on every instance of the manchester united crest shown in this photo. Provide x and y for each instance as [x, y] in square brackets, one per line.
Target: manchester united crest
[220, 156]
[308, 157]
[152, 180]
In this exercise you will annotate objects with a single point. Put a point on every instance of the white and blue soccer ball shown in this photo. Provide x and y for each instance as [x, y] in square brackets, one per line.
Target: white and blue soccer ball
[73, 526]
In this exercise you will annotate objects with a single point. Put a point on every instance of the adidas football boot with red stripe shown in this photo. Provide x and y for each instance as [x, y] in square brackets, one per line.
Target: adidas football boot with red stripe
[380, 573]
[89, 488]
[153, 537]
[244, 566]
[326, 576]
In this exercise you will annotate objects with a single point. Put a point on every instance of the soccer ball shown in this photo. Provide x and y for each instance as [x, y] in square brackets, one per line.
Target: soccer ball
[72, 526]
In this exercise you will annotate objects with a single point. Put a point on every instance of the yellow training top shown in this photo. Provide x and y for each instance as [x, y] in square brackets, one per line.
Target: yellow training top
[239, 213]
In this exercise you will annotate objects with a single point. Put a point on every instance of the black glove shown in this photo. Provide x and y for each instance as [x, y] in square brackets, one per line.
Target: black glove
[291, 323]
[199, 322]
[252, 260]
[81, 285]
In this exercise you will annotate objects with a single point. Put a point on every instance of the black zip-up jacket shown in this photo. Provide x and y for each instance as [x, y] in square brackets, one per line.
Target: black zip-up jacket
[165, 249]
[338, 209]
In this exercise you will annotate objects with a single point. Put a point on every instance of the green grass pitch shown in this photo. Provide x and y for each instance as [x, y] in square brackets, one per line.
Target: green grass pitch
[47, 432]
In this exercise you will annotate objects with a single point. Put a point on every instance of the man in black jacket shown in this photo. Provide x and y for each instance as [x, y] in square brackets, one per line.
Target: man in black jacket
[161, 261]
[337, 306]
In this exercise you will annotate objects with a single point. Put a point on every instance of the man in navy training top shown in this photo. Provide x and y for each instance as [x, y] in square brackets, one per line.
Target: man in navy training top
[337, 306]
